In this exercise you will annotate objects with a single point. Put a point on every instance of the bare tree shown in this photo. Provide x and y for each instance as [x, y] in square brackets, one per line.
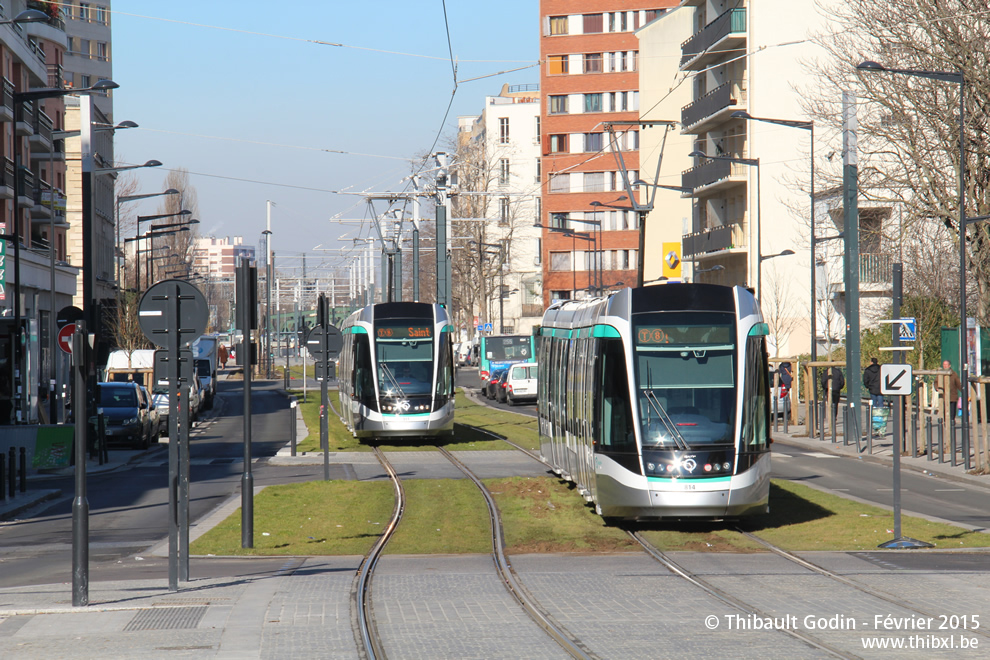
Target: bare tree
[173, 252]
[909, 135]
[776, 311]
[123, 323]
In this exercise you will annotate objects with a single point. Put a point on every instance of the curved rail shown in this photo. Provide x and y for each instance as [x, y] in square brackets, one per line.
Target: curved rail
[731, 600]
[541, 617]
[369, 643]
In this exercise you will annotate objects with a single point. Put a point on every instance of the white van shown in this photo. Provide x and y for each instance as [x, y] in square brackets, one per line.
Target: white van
[521, 383]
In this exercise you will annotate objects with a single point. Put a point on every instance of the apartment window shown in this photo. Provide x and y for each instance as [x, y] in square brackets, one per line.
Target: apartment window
[633, 60]
[83, 14]
[592, 102]
[503, 210]
[558, 143]
[102, 52]
[102, 16]
[624, 22]
[539, 171]
[623, 101]
[558, 105]
[503, 171]
[593, 23]
[594, 182]
[85, 81]
[539, 256]
[651, 14]
[84, 48]
[537, 129]
[557, 65]
[560, 295]
[560, 183]
[622, 60]
[611, 22]
[558, 25]
[592, 142]
[558, 221]
[539, 211]
[593, 63]
[503, 130]
[560, 261]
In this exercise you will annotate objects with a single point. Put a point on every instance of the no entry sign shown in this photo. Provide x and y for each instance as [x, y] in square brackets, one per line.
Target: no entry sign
[65, 337]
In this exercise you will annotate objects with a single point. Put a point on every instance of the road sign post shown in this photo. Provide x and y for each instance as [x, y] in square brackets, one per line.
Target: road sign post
[80, 503]
[246, 296]
[173, 314]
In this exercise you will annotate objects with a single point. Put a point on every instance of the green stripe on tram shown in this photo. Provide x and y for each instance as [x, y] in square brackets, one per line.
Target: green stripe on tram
[759, 330]
[604, 331]
[447, 328]
[667, 480]
[356, 330]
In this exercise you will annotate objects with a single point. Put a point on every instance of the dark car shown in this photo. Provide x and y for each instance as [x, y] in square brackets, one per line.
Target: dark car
[126, 415]
[500, 387]
[492, 382]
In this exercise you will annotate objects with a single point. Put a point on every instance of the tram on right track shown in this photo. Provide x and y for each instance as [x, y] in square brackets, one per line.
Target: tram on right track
[655, 401]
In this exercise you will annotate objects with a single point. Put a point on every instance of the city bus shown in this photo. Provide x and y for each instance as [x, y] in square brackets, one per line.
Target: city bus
[500, 351]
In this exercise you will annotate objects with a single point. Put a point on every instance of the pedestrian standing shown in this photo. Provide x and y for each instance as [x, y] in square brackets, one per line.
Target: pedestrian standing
[871, 381]
[222, 356]
[955, 385]
[832, 382]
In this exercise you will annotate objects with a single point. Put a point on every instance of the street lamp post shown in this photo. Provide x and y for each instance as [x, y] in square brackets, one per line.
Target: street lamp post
[131, 198]
[137, 236]
[268, 300]
[953, 77]
[753, 162]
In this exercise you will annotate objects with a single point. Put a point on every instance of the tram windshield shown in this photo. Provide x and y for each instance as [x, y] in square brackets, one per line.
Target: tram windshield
[404, 351]
[685, 378]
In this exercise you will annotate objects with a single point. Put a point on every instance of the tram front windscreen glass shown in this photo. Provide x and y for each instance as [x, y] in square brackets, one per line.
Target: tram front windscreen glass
[685, 378]
[404, 349]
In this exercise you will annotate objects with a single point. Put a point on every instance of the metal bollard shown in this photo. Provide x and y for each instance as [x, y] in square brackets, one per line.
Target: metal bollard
[23, 470]
[952, 441]
[941, 440]
[12, 472]
[821, 421]
[928, 438]
[292, 425]
[787, 410]
[914, 436]
[101, 434]
[3, 476]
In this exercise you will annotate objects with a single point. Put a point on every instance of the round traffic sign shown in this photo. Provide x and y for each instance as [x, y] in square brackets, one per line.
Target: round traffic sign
[153, 313]
[65, 337]
[68, 314]
[314, 343]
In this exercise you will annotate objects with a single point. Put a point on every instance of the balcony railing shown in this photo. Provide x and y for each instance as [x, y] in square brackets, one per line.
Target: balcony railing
[7, 174]
[706, 174]
[56, 76]
[712, 240]
[875, 268]
[26, 184]
[708, 105]
[731, 21]
[42, 124]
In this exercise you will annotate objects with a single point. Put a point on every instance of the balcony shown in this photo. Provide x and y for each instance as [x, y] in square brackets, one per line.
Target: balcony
[7, 179]
[42, 209]
[727, 32]
[41, 138]
[875, 268]
[24, 118]
[696, 116]
[716, 239]
[25, 189]
[56, 76]
[7, 101]
[706, 174]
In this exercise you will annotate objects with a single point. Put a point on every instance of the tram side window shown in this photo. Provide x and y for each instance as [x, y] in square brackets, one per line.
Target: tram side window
[617, 431]
[756, 409]
[364, 374]
[444, 368]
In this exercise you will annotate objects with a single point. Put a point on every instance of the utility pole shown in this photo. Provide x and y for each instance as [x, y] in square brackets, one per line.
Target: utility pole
[443, 234]
[850, 176]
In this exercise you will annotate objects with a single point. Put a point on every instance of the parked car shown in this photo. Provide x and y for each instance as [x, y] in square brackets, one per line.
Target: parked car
[500, 394]
[160, 400]
[155, 418]
[126, 414]
[491, 383]
[521, 383]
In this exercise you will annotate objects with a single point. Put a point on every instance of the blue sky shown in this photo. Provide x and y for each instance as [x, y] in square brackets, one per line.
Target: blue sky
[238, 94]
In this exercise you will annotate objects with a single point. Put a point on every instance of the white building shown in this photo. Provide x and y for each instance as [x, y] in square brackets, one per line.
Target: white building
[513, 158]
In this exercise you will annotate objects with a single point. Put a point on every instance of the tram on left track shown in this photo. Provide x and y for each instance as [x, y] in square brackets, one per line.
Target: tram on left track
[396, 371]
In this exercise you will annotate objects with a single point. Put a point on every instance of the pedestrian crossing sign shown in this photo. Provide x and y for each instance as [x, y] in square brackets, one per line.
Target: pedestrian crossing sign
[908, 331]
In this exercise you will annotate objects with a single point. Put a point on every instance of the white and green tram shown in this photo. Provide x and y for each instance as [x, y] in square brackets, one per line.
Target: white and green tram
[396, 372]
[655, 401]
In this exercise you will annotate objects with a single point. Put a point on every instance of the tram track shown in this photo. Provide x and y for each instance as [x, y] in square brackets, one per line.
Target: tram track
[864, 589]
[369, 642]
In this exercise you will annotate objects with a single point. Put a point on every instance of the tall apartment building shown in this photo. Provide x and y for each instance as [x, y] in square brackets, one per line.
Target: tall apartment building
[504, 140]
[88, 59]
[589, 80]
[32, 209]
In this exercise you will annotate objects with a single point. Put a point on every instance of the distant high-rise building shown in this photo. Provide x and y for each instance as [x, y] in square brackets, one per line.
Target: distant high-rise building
[590, 83]
[216, 258]
[88, 57]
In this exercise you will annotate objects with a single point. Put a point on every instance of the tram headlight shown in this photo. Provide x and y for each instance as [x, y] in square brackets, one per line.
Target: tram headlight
[725, 466]
[708, 467]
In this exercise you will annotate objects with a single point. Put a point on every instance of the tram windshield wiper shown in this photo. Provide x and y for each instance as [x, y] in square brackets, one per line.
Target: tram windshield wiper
[391, 378]
[664, 418]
